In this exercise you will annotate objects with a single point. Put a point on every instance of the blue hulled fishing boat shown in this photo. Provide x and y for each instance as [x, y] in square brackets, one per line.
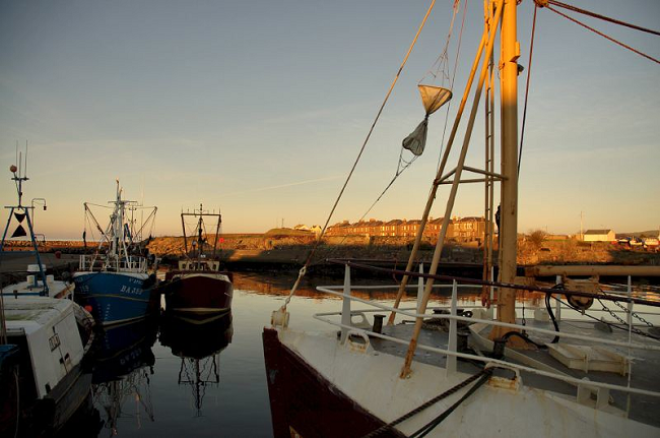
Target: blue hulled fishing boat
[113, 283]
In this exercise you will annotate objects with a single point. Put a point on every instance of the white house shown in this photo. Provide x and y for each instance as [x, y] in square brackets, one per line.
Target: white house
[599, 236]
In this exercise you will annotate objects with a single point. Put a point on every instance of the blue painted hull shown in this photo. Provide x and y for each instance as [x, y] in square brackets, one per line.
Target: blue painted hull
[114, 297]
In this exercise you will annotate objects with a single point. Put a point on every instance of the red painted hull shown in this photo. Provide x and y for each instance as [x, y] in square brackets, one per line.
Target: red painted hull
[199, 293]
[304, 402]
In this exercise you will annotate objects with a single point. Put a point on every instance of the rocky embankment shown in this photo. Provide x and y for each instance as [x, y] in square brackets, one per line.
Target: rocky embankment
[293, 248]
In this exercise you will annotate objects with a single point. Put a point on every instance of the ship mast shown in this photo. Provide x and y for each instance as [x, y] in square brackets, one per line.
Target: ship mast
[508, 229]
[508, 66]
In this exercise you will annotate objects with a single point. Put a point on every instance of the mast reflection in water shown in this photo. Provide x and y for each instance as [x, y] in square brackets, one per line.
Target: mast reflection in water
[175, 384]
[122, 370]
[198, 344]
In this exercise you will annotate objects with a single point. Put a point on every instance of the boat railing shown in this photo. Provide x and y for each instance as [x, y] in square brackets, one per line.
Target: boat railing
[109, 263]
[451, 314]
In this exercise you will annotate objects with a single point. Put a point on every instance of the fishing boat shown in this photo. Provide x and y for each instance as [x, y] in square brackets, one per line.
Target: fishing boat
[114, 283]
[38, 282]
[582, 361]
[44, 337]
[48, 385]
[199, 287]
[199, 347]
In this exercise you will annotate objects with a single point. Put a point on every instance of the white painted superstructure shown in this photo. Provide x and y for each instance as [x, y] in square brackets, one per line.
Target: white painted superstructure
[51, 334]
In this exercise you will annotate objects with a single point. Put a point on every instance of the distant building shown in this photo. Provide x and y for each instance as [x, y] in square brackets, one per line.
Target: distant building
[465, 229]
[469, 229]
[599, 236]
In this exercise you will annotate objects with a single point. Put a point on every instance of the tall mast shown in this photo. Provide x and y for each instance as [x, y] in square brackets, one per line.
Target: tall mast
[510, 51]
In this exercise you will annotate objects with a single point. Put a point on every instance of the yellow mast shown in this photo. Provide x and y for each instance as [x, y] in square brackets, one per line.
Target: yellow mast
[510, 52]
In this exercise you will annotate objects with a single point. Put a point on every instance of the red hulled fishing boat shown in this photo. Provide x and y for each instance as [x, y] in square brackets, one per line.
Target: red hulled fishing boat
[199, 287]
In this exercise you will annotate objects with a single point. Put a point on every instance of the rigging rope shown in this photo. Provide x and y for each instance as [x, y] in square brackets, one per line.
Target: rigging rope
[483, 374]
[458, 52]
[357, 160]
[529, 75]
[595, 15]
[615, 41]
[442, 60]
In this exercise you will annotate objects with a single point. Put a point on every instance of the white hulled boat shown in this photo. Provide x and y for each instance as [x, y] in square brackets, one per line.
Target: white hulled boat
[468, 372]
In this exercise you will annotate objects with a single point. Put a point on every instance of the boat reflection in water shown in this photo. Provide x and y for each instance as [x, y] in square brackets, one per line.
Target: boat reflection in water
[122, 369]
[198, 344]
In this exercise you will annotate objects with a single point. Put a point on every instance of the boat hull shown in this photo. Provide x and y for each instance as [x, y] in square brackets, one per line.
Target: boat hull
[317, 385]
[303, 402]
[199, 293]
[115, 297]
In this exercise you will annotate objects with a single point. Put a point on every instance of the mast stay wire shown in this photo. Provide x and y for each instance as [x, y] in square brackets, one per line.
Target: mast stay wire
[303, 270]
[529, 75]
[451, 85]
[442, 65]
[442, 58]
[542, 3]
[546, 4]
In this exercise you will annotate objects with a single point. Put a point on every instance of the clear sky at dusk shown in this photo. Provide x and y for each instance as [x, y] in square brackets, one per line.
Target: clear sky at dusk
[259, 108]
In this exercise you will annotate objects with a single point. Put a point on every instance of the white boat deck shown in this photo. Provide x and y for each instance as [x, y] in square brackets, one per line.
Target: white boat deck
[594, 367]
[644, 375]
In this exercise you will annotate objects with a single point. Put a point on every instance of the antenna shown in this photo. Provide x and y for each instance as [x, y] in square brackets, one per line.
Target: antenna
[26, 152]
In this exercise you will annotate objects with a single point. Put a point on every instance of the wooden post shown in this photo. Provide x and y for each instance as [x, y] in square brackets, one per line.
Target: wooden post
[441, 169]
[405, 371]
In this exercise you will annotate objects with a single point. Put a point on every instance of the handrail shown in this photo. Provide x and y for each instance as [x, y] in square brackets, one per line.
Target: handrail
[451, 351]
[565, 378]
[477, 282]
[326, 289]
[133, 264]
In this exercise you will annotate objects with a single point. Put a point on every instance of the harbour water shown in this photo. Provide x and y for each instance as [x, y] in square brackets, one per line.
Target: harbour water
[169, 378]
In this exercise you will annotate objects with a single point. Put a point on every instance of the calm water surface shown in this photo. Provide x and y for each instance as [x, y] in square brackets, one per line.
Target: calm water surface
[172, 378]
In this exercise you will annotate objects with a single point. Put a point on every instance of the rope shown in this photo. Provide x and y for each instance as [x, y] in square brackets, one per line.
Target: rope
[483, 374]
[595, 15]
[441, 59]
[440, 418]
[615, 41]
[529, 75]
[458, 52]
[303, 270]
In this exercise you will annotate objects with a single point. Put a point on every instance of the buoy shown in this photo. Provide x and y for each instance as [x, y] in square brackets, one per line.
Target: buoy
[13, 168]
[88, 308]
[58, 254]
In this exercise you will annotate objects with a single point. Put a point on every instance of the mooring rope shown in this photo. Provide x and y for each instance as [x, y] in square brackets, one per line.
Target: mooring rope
[484, 375]
[303, 270]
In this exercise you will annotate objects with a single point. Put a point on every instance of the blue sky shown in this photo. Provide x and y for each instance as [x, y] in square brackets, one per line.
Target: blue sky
[259, 108]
